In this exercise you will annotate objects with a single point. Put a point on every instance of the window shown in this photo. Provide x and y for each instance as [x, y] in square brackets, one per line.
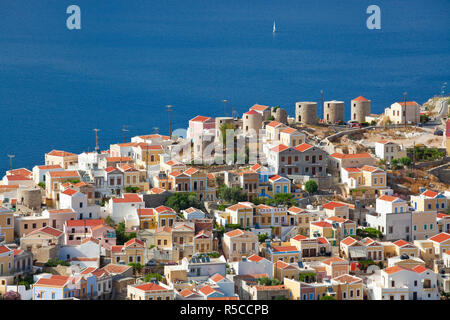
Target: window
[8, 221]
[81, 204]
[391, 229]
[357, 293]
[34, 225]
[431, 227]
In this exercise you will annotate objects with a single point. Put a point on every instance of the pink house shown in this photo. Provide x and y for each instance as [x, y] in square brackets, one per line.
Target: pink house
[78, 230]
[200, 124]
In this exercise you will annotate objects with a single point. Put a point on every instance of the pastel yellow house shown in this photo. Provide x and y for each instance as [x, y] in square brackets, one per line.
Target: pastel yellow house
[241, 213]
[6, 225]
[239, 243]
[62, 158]
[131, 252]
[6, 260]
[163, 238]
[430, 201]
[147, 219]
[148, 155]
[165, 216]
[348, 287]
[302, 218]
[364, 177]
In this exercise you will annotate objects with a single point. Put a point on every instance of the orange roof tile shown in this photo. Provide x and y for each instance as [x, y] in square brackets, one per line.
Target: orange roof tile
[303, 147]
[258, 107]
[441, 237]
[333, 205]
[360, 98]
[279, 148]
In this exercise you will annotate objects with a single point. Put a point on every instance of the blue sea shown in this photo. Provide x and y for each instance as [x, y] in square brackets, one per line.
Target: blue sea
[131, 58]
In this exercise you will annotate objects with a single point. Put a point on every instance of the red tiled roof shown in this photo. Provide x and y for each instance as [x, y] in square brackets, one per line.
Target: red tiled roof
[303, 147]
[331, 260]
[217, 277]
[430, 193]
[128, 198]
[50, 166]
[17, 177]
[279, 148]
[134, 240]
[441, 237]
[48, 230]
[145, 212]
[116, 248]
[62, 174]
[150, 287]
[59, 153]
[207, 290]
[258, 107]
[348, 241]
[115, 268]
[82, 223]
[408, 103]
[284, 248]
[161, 209]
[117, 159]
[200, 119]
[388, 198]
[300, 237]
[255, 258]
[69, 192]
[251, 112]
[419, 269]
[289, 130]
[4, 249]
[394, 269]
[333, 205]
[322, 240]
[190, 171]
[54, 280]
[234, 233]
[400, 243]
[61, 211]
[360, 98]
[273, 124]
[322, 224]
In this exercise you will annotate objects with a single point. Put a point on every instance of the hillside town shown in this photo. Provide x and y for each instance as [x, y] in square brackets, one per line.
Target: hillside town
[259, 206]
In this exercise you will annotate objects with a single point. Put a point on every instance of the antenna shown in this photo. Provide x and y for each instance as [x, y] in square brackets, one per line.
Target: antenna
[96, 140]
[225, 106]
[11, 156]
[169, 108]
[125, 130]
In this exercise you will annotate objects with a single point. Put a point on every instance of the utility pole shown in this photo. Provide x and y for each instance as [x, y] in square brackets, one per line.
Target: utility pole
[405, 108]
[321, 104]
[125, 130]
[11, 156]
[169, 108]
[97, 149]
[225, 105]
[156, 130]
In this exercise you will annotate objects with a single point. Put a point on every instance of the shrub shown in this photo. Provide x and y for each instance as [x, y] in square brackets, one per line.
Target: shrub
[262, 237]
[328, 298]
[311, 186]
[182, 201]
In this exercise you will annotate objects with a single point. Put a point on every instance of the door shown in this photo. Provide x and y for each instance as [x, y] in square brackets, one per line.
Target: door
[313, 170]
[414, 295]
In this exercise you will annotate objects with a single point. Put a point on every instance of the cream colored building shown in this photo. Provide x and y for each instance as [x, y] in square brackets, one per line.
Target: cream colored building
[150, 291]
[398, 113]
[239, 243]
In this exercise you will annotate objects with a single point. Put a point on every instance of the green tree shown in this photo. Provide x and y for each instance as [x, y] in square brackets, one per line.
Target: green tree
[311, 186]
[121, 235]
[232, 195]
[150, 276]
[262, 237]
[42, 185]
[131, 189]
[405, 161]
[270, 118]
[395, 164]
[109, 221]
[137, 267]
[181, 201]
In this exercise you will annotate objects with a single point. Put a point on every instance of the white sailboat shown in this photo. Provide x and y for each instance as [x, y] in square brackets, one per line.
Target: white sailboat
[274, 28]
